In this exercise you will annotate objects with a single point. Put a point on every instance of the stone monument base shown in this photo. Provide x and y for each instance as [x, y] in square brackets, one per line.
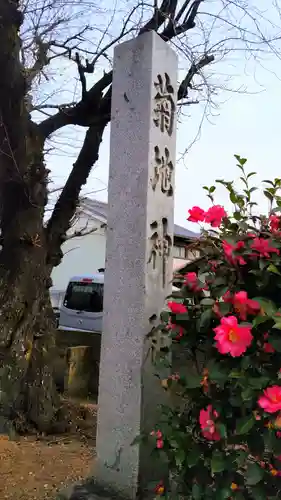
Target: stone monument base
[90, 489]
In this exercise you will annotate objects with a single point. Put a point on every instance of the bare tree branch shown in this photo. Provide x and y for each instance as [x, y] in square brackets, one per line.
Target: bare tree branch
[84, 231]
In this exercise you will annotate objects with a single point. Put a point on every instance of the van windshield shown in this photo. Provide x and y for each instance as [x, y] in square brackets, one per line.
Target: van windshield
[84, 297]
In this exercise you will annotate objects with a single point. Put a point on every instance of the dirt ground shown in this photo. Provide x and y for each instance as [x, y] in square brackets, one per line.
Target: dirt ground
[36, 468]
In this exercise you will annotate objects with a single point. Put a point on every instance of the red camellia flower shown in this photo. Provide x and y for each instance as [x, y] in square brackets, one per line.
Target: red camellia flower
[177, 308]
[207, 423]
[271, 399]
[263, 248]
[245, 306]
[231, 337]
[196, 214]
[215, 215]
[229, 250]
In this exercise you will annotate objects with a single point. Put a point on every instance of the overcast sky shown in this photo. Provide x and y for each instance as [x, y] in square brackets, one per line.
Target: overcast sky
[247, 122]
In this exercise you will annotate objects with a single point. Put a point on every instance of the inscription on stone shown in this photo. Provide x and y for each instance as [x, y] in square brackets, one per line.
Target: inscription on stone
[163, 172]
[160, 247]
[164, 107]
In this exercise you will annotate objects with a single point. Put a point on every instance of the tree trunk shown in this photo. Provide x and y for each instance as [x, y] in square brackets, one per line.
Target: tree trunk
[29, 251]
[26, 325]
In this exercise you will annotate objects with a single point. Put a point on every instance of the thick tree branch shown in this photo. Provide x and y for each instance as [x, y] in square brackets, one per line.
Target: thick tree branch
[86, 112]
[194, 70]
[65, 207]
[160, 15]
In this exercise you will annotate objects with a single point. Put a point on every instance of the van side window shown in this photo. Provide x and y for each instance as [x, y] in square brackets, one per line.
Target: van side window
[86, 297]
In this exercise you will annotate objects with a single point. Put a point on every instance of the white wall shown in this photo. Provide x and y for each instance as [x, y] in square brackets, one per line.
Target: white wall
[82, 255]
[86, 254]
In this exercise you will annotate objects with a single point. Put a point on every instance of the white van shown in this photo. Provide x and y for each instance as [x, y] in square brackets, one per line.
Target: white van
[82, 306]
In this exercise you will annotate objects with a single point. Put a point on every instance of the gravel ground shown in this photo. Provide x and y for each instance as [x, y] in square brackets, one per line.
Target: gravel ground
[33, 468]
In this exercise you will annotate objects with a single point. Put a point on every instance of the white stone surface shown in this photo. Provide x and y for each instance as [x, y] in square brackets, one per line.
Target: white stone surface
[138, 274]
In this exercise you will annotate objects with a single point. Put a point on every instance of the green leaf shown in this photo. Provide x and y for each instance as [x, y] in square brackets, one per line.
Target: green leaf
[197, 491]
[247, 394]
[193, 456]
[259, 493]
[233, 197]
[244, 425]
[241, 458]
[277, 326]
[254, 474]
[222, 430]
[251, 174]
[193, 381]
[246, 362]
[207, 302]
[268, 195]
[236, 374]
[269, 182]
[237, 215]
[275, 341]
[217, 373]
[212, 189]
[273, 269]
[267, 305]
[218, 462]
[258, 320]
[182, 317]
[205, 319]
[223, 493]
[180, 457]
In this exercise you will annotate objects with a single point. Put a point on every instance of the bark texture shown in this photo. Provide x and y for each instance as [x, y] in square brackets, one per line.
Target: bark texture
[26, 323]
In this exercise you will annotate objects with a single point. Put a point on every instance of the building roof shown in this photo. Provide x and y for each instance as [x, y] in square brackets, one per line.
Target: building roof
[99, 209]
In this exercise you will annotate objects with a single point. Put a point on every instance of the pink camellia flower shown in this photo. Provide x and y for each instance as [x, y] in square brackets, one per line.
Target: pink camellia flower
[244, 306]
[231, 337]
[213, 265]
[267, 347]
[207, 423]
[271, 399]
[216, 309]
[177, 308]
[215, 215]
[275, 223]
[229, 253]
[159, 438]
[196, 214]
[159, 444]
[191, 280]
[263, 248]
[227, 297]
[179, 330]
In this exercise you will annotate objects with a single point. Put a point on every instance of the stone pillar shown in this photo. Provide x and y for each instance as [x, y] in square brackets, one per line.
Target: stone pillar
[139, 255]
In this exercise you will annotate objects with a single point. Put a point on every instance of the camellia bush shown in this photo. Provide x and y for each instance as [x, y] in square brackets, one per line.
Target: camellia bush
[222, 436]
